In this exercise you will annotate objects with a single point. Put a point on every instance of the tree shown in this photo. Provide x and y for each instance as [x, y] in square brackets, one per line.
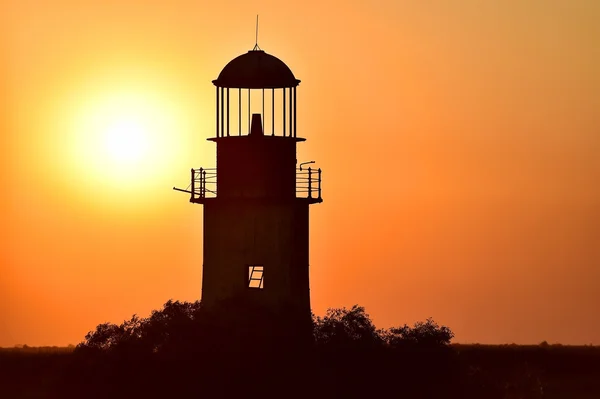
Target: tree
[105, 337]
[345, 327]
[423, 334]
[144, 334]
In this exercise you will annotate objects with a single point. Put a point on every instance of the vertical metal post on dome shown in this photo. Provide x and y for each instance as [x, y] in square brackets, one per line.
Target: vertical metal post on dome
[217, 111]
[222, 112]
[291, 113]
[273, 112]
[228, 112]
[239, 112]
[294, 111]
[283, 112]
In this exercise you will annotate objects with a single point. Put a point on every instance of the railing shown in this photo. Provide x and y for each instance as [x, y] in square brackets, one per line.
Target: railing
[204, 183]
[308, 183]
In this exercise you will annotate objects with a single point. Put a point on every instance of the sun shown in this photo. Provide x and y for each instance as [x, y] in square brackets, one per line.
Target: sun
[127, 140]
[124, 138]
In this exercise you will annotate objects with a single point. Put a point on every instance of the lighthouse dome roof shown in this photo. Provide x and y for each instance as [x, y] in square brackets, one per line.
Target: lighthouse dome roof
[256, 70]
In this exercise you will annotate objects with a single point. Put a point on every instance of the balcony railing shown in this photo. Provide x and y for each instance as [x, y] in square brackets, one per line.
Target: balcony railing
[204, 184]
[308, 183]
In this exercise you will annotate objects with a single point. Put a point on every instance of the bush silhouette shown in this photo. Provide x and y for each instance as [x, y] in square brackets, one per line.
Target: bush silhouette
[346, 328]
[424, 334]
[186, 349]
[188, 326]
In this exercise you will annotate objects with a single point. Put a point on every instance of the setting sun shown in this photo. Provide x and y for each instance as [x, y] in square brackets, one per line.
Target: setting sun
[120, 136]
[126, 140]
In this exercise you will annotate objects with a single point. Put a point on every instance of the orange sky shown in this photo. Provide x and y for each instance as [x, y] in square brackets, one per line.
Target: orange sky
[459, 140]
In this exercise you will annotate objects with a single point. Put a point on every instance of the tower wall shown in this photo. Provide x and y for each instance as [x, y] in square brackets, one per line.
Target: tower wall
[243, 233]
[256, 167]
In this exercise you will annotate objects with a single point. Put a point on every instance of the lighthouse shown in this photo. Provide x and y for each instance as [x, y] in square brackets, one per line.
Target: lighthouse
[256, 200]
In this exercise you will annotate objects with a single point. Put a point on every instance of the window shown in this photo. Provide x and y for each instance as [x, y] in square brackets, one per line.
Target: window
[255, 276]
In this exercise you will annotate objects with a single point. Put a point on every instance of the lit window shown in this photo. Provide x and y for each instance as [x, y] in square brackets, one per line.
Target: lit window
[255, 277]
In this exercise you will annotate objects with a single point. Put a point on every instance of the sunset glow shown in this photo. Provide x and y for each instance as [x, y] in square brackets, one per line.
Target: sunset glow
[123, 137]
[459, 141]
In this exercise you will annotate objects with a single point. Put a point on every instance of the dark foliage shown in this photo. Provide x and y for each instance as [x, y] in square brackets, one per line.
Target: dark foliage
[423, 334]
[343, 328]
[185, 350]
[343, 345]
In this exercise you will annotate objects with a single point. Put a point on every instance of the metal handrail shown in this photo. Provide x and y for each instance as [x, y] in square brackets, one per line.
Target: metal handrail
[308, 181]
[204, 183]
[200, 177]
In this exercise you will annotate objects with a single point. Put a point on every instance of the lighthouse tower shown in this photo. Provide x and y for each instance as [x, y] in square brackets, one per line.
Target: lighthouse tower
[256, 200]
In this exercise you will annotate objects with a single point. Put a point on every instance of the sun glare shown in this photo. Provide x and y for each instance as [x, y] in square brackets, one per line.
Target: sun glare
[126, 141]
[125, 138]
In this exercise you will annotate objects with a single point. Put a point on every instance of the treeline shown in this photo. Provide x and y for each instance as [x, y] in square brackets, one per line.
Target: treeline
[189, 325]
[239, 348]
[39, 349]
[187, 350]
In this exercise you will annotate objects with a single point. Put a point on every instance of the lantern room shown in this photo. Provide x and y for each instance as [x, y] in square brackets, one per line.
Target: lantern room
[256, 83]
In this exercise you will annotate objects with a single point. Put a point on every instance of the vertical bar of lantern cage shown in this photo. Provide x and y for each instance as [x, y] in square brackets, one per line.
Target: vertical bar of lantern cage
[228, 112]
[222, 112]
[262, 116]
[294, 111]
[239, 112]
[283, 112]
[291, 113]
[217, 111]
[273, 112]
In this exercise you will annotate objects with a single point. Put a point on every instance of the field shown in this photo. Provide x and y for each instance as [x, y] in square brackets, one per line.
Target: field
[505, 371]
[555, 371]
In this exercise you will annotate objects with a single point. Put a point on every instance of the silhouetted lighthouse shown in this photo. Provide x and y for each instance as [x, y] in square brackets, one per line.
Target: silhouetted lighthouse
[256, 201]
